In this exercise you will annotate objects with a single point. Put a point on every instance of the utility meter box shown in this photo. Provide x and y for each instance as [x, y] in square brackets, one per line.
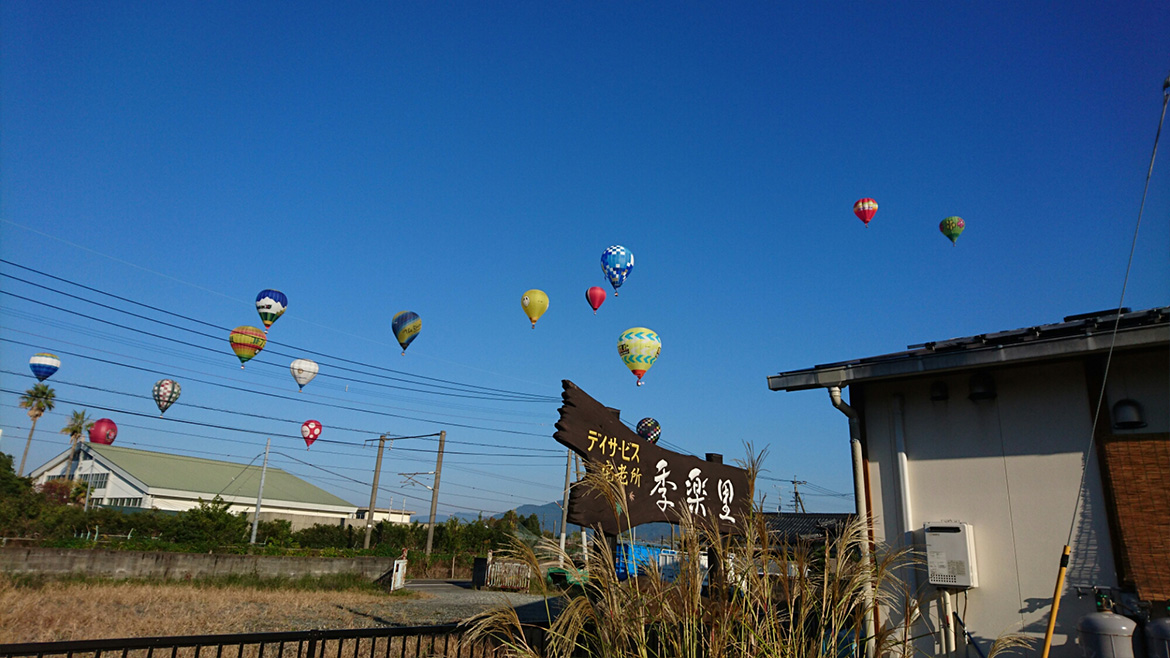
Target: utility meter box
[950, 554]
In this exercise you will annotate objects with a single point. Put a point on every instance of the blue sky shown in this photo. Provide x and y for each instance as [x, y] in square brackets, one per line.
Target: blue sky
[445, 157]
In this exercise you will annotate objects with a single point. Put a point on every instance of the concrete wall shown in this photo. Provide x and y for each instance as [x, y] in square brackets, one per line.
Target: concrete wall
[133, 564]
[1011, 466]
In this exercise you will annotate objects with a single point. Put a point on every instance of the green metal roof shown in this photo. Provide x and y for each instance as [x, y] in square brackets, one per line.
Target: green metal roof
[159, 470]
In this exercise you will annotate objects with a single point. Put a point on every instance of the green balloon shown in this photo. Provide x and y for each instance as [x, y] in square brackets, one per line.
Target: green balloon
[952, 227]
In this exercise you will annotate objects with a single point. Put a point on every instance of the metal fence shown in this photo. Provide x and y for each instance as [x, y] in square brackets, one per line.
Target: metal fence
[506, 574]
[447, 641]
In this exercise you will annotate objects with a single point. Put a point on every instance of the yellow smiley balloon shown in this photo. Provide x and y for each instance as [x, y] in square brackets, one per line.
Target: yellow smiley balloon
[535, 303]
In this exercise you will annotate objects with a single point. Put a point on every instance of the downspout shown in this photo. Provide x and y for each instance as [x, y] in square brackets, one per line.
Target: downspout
[862, 515]
[903, 468]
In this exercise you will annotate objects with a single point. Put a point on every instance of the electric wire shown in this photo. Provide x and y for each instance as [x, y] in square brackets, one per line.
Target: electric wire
[274, 395]
[217, 362]
[337, 477]
[1117, 320]
[445, 392]
[530, 396]
[259, 432]
[287, 420]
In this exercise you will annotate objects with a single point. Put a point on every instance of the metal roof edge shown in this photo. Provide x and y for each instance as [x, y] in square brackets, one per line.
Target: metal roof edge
[49, 465]
[109, 463]
[183, 495]
[910, 364]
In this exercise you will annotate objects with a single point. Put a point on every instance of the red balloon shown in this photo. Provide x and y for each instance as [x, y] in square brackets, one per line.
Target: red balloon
[104, 431]
[310, 430]
[865, 209]
[595, 296]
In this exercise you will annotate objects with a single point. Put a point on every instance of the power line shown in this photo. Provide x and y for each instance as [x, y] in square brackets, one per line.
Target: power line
[287, 420]
[255, 432]
[217, 362]
[444, 393]
[533, 397]
[274, 395]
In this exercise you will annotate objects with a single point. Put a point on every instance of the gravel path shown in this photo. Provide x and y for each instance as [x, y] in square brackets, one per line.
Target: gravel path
[441, 602]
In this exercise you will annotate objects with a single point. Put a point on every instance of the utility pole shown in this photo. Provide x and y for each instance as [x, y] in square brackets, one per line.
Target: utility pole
[565, 505]
[435, 491]
[374, 492]
[584, 537]
[797, 503]
[260, 493]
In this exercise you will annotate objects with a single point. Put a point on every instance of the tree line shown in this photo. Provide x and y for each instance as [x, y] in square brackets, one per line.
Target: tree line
[54, 514]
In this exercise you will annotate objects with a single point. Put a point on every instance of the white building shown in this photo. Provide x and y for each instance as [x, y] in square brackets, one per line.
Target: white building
[125, 477]
[992, 430]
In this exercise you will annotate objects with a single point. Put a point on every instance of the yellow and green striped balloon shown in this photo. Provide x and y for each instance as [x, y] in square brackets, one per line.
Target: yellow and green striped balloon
[639, 348]
[247, 342]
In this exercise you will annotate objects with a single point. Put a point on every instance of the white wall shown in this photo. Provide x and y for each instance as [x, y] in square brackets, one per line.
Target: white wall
[1010, 466]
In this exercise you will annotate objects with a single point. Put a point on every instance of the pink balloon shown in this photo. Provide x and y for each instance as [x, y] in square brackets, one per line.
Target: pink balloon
[595, 296]
[310, 430]
[104, 431]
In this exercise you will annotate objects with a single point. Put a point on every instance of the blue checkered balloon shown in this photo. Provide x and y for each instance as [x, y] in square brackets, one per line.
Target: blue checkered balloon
[617, 262]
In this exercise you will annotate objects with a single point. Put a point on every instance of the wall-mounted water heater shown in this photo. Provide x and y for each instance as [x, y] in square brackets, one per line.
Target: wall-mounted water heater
[950, 554]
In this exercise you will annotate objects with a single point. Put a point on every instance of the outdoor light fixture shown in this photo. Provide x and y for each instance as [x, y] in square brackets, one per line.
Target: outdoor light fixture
[982, 387]
[939, 392]
[1127, 415]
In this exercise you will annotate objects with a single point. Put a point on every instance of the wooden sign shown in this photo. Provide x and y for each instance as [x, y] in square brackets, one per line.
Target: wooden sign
[656, 484]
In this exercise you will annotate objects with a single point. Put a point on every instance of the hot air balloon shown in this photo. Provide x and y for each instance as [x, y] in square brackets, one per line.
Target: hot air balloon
[617, 262]
[43, 365]
[595, 296]
[649, 429]
[270, 304]
[246, 342]
[865, 209]
[303, 370]
[104, 431]
[639, 348]
[535, 303]
[310, 429]
[406, 325]
[952, 227]
[166, 391]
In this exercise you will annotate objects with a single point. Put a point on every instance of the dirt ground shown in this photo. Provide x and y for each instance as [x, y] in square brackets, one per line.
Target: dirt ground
[82, 611]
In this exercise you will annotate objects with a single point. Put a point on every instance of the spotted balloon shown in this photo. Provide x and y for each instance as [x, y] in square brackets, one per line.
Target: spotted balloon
[166, 391]
[310, 430]
[649, 429]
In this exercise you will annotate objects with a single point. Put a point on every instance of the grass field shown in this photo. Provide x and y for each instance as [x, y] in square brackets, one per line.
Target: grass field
[34, 609]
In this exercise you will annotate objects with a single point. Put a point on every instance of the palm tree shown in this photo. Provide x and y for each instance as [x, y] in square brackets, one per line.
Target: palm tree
[38, 400]
[79, 423]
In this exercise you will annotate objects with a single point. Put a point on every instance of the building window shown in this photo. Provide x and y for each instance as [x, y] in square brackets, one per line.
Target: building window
[95, 480]
[123, 502]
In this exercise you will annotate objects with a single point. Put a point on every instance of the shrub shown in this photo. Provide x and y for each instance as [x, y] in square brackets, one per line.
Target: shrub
[761, 598]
